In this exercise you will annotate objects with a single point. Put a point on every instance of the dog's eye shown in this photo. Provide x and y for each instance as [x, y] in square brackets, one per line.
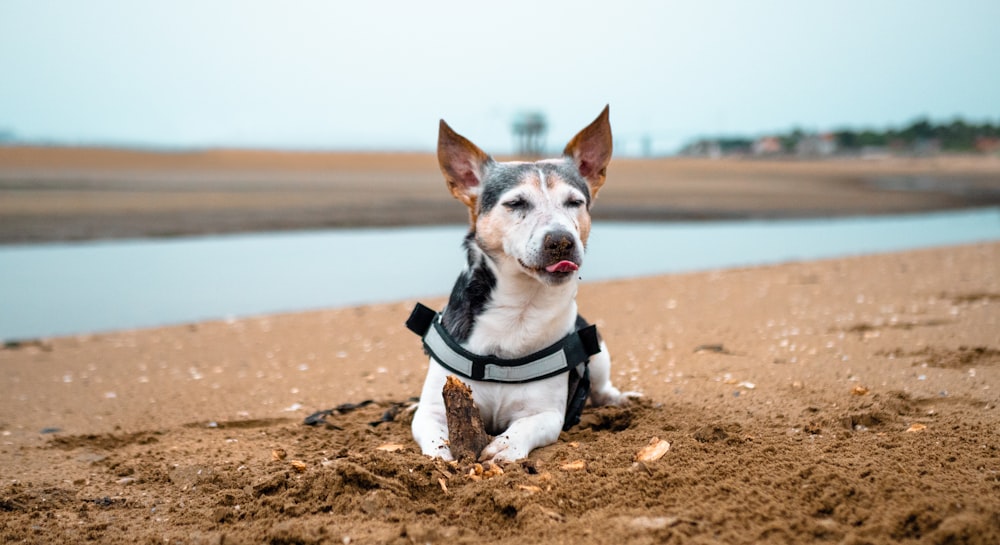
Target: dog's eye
[574, 202]
[516, 204]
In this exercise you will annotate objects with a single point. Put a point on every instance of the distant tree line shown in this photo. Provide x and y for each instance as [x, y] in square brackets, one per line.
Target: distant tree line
[956, 135]
[919, 137]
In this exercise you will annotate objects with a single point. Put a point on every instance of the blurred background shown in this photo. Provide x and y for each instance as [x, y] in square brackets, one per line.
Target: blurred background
[138, 139]
[377, 76]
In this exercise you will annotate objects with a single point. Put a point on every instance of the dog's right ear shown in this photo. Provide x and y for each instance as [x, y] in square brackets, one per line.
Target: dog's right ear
[463, 164]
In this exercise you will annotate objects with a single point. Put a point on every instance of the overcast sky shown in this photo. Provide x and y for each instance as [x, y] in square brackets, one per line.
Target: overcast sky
[378, 75]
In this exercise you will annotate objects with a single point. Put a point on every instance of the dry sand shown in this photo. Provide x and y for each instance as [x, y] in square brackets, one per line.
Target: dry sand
[848, 401]
[79, 193]
[845, 401]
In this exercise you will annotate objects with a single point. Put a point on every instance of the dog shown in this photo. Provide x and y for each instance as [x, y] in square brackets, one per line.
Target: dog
[511, 328]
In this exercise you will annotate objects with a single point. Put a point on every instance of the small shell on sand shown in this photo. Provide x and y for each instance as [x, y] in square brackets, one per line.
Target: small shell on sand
[653, 451]
[485, 470]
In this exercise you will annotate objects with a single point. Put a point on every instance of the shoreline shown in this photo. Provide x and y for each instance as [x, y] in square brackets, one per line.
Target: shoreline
[211, 277]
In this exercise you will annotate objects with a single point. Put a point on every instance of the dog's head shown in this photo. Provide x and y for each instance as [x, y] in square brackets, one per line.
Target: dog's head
[533, 217]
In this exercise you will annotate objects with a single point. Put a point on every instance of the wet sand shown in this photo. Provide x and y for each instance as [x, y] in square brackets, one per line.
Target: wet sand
[845, 401]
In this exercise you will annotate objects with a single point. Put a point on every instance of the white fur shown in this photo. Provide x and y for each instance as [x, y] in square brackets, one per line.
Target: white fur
[523, 240]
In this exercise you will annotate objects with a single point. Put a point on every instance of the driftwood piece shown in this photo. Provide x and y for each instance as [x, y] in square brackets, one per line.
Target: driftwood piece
[467, 436]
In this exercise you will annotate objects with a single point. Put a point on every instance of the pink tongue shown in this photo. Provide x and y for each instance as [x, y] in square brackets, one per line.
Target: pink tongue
[563, 266]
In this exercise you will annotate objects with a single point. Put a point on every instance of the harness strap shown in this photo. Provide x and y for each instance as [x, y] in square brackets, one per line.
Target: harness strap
[569, 353]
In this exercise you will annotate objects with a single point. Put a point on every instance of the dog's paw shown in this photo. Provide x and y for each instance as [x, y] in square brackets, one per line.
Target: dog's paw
[502, 450]
[627, 397]
[612, 396]
[444, 454]
[436, 449]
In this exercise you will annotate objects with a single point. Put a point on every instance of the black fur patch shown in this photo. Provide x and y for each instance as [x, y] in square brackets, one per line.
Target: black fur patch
[472, 291]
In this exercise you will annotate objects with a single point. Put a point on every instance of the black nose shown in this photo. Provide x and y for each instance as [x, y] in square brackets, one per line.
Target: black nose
[559, 244]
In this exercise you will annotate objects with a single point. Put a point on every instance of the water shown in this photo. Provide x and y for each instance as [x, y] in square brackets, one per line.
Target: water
[64, 289]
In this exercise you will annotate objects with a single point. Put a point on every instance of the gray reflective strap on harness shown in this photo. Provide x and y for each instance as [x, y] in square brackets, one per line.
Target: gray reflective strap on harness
[571, 353]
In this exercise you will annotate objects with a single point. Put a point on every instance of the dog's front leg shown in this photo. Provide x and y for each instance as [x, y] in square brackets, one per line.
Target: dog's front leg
[524, 435]
[430, 421]
[602, 392]
[430, 430]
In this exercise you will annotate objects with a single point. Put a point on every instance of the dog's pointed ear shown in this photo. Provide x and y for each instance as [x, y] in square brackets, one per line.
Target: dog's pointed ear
[590, 150]
[463, 165]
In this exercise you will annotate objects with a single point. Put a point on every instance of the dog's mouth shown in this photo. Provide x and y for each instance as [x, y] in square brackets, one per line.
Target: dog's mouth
[564, 266]
[559, 270]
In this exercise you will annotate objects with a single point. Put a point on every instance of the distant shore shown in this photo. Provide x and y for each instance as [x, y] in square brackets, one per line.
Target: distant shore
[72, 194]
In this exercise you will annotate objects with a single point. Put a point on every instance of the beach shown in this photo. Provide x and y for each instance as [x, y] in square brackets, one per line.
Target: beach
[852, 400]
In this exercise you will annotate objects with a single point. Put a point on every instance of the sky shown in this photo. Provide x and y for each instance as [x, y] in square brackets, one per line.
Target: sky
[310, 74]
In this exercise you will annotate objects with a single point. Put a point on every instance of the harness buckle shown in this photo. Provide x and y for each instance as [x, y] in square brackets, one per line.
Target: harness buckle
[420, 319]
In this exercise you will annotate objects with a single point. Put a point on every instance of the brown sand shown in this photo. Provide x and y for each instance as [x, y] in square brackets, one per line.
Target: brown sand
[79, 193]
[848, 401]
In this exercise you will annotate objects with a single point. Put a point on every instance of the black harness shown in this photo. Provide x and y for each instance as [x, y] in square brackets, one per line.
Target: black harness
[569, 355]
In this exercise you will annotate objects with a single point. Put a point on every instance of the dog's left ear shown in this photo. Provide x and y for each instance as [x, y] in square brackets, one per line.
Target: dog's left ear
[590, 149]
[463, 165]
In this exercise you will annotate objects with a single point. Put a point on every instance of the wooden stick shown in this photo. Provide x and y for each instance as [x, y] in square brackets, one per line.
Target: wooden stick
[467, 436]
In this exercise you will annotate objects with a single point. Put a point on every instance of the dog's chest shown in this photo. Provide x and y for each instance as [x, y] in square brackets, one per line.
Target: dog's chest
[516, 332]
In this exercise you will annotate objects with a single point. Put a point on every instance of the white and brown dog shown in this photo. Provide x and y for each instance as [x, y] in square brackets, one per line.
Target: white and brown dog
[511, 328]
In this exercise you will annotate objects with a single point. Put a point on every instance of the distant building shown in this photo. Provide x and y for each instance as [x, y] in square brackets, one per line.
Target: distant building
[529, 133]
[703, 148]
[816, 145]
[767, 145]
[715, 148]
[874, 152]
[927, 146]
[988, 144]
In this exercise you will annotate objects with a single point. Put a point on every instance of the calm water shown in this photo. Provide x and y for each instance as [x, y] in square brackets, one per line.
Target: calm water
[61, 289]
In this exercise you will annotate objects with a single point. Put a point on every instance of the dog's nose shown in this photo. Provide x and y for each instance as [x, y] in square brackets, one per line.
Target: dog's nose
[559, 244]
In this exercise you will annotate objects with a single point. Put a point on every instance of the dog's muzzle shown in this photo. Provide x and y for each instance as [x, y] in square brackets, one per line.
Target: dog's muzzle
[560, 252]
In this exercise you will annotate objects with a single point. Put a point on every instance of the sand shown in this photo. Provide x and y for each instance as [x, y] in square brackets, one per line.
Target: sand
[845, 401]
[79, 193]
